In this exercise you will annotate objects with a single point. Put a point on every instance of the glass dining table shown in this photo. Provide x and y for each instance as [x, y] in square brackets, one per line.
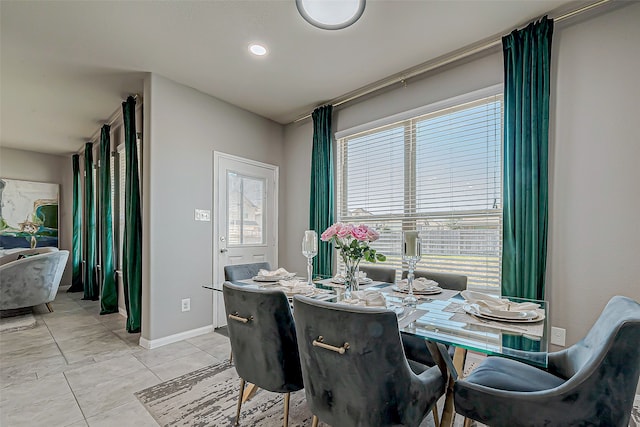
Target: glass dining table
[447, 319]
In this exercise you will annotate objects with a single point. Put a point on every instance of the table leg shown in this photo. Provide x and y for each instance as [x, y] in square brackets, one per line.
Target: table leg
[448, 413]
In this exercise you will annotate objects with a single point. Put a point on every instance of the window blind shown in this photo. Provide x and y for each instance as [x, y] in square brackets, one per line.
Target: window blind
[439, 173]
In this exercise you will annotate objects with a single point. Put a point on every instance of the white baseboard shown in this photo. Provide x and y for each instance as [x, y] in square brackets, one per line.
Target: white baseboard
[159, 342]
[122, 311]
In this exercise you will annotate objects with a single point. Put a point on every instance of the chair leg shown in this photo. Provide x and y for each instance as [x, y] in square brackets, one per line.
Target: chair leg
[287, 396]
[49, 307]
[435, 415]
[467, 422]
[231, 356]
[314, 423]
[239, 402]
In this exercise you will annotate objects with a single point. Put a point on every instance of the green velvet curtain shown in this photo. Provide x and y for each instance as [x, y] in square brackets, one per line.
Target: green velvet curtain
[109, 291]
[132, 250]
[527, 62]
[321, 201]
[91, 287]
[76, 246]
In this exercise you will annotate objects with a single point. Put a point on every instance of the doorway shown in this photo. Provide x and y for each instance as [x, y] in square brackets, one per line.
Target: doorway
[245, 218]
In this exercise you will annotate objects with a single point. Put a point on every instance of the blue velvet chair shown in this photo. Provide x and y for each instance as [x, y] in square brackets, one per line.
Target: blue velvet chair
[379, 274]
[354, 370]
[263, 341]
[244, 271]
[591, 383]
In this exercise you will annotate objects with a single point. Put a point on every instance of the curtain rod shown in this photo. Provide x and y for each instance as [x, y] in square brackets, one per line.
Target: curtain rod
[425, 67]
[110, 121]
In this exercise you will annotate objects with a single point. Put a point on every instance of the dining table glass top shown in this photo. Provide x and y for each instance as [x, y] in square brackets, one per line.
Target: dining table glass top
[445, 318]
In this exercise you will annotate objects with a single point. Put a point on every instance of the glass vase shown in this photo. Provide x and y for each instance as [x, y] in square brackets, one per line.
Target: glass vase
[350, 280]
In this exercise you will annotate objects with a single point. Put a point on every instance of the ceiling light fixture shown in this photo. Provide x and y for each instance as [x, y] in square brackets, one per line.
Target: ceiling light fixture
[331, 14]
[257, 49]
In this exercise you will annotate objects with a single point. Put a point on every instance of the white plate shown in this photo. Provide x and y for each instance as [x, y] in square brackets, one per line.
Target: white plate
[431, 291]
[502, 316]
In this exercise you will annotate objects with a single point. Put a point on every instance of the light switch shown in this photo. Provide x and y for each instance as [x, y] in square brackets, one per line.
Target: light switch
[203, 215]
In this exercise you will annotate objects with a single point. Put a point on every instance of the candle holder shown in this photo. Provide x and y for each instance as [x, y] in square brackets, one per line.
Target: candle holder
[310, 250]
[411, 254]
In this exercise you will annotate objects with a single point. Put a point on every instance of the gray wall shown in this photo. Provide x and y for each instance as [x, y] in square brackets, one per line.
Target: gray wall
[31, 166]
[594, 241]
[594, 244]
[183, 127]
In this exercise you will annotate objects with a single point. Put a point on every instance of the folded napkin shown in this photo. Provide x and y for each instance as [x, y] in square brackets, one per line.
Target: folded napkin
[339, 278]
[494, 303]
[281, 272]
[419, 284]
[295, 286]
[367, 298]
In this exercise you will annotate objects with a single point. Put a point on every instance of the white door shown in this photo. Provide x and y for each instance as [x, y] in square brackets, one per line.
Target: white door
[246, 219]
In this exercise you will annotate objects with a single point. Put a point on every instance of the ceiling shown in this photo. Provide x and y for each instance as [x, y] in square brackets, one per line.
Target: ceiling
[66, 66]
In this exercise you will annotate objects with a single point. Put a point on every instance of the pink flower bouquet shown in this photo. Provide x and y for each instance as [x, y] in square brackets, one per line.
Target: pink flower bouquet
[353, 242]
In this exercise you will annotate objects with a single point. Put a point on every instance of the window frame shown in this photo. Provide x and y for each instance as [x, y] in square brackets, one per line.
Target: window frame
[409, 218]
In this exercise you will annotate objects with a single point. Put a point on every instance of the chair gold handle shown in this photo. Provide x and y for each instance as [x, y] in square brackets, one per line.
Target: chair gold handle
[320, 343]
[235, 317]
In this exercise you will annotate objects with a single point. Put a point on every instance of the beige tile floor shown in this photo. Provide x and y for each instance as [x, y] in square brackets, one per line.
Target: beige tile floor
[77, 368]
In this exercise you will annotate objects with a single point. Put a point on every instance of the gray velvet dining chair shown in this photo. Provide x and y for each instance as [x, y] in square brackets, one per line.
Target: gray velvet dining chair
[244, 271]
[591, 383]
[415, 347]
[263, 341]
[379, 274]
[354, 370]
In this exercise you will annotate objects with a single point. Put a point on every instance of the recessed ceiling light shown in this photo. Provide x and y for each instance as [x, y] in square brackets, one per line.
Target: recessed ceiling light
[257, 49]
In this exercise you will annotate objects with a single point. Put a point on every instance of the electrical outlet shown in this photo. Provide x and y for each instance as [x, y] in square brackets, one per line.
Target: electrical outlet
[186, 304]
[558, 336]
[203, 215]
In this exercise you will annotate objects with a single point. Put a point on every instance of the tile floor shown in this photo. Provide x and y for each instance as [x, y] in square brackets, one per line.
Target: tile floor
[77, 368]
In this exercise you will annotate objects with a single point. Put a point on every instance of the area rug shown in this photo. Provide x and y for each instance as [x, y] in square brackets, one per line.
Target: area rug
[208, 397]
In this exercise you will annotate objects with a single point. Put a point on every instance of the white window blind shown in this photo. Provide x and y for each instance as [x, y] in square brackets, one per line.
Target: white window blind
[439, 173]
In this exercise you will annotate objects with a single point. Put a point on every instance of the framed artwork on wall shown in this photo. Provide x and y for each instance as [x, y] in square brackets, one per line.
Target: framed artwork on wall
[28, 214]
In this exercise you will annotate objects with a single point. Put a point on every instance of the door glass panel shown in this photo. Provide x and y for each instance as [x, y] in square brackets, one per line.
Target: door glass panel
[245, 196]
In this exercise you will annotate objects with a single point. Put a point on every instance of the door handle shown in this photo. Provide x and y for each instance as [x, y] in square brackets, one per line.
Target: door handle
[223, 250]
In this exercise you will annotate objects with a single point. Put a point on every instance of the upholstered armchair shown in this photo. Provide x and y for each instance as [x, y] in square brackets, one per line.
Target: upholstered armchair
[591, 383]
[354, 370]
[244, 271]
[31, 281]
[24, 253]
[263, 341]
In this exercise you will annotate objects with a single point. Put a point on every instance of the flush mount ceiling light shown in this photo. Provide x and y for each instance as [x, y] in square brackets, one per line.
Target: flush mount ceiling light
[257, 49]
[331, 14]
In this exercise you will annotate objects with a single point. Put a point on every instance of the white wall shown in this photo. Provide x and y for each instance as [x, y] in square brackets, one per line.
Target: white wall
[31, 166]
[594, 241]
[183, 127]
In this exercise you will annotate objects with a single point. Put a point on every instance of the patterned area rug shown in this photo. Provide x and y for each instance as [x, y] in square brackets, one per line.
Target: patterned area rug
[208, 397]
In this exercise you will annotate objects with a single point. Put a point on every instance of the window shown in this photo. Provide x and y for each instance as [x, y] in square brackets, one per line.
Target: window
[245, 204]
[438, 172]
[119, 181]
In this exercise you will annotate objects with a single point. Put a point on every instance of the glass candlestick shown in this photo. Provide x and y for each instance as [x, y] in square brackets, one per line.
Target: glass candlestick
[310, 250]
[411, 254]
